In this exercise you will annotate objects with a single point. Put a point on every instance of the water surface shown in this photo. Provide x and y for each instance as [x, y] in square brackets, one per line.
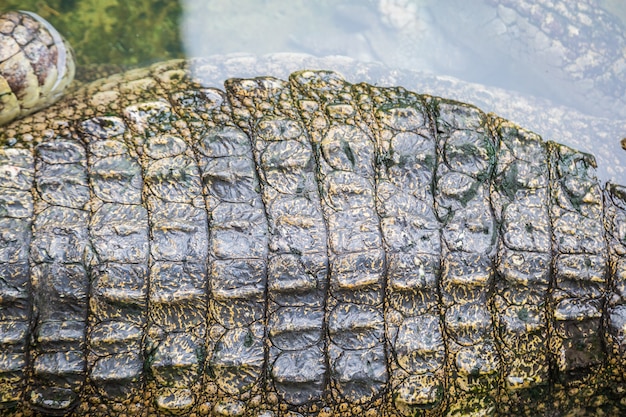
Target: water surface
[536, 62]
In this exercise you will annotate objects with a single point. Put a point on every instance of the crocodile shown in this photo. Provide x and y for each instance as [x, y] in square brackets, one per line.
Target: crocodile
[302, 247]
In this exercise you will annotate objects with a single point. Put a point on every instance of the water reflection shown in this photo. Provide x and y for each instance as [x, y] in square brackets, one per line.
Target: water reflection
[557, 67]
[570, 52]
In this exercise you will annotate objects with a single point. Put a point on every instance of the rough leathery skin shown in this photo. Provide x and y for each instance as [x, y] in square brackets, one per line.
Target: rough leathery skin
[302, 247]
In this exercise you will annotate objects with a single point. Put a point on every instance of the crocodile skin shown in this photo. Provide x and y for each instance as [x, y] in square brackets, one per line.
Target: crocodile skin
[303, 247]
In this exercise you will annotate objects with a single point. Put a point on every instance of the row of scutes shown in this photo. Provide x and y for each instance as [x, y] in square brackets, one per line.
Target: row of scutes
[307, 246]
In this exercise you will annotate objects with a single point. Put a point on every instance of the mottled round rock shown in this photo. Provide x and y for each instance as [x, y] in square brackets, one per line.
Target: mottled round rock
[36, 64]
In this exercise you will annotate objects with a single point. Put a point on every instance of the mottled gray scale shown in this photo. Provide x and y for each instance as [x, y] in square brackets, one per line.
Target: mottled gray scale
[237, 246]
[347, 190]
[118, 179]
[344, 150]
[237, 291]
[346, 157]
[236, 230]
[16, 211]
[106, 342]
[177, 218]
[177, 231]
[224, 141]
[297, 233]
[231, 179]
[118, 291]
[61, 178]
[407, 158]
[297, 263]
[104, 147]
[298, 374]
[174, 179]
[296, 328]
[232, 360]
[519, 197]
[418, 345]
[615, 332]
[227, 168]
[17, 169]
[281, 162]
[118, 317]
[119, 233]
[181, 348]
[364, 322]
[60, 255]
[238, 359]
[578, 244]
[468, 324]
[175, 291]
[16, 204]
[52, 153]
[164, 146]
[462, 202]
[103, 130]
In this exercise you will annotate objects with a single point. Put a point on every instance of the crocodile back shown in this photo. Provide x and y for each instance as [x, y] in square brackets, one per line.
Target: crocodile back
[302, 246]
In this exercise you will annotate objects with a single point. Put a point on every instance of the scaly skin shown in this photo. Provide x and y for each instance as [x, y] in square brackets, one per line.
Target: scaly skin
[305, 246]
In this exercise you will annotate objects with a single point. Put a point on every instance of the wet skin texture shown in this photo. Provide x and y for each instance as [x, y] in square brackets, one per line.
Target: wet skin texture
[302, 246]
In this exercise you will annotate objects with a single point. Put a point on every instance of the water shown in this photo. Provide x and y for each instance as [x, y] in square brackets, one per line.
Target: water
[558, 68]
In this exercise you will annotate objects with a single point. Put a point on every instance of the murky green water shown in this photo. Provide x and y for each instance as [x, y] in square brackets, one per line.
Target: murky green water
[573, 57]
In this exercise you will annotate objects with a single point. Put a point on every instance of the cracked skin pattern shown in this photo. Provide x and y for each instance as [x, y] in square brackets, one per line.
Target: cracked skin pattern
[305, 247]
[302, 247]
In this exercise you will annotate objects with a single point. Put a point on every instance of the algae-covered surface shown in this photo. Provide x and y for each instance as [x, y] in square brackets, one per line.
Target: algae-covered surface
[113, 31]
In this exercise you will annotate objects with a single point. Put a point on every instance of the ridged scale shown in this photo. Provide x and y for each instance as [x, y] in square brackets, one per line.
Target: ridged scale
[304, 246]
